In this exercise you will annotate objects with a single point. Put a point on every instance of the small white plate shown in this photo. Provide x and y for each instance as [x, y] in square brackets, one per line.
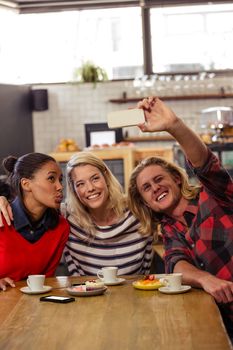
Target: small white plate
[115, 283]
[27, 290]
[167, 290]
[87, 293]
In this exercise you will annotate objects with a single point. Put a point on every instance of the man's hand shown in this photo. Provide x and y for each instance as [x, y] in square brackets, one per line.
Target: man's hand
[159, 117]
[221, 290]
[5, 211]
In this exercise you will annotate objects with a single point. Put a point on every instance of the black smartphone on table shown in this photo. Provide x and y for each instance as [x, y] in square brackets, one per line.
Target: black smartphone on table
[57, 299]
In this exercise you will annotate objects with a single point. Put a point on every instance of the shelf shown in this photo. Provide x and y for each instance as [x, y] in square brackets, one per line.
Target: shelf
[149, 138]
[174, 98]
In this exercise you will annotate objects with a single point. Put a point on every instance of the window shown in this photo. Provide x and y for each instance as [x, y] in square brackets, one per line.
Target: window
[47, 47]
[192, 38]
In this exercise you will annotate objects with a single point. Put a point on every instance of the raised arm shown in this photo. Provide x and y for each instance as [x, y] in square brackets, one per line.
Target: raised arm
[160, 117]
[5, 211]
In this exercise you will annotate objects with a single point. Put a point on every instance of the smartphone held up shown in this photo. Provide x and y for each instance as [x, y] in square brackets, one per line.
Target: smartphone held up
[128, 117]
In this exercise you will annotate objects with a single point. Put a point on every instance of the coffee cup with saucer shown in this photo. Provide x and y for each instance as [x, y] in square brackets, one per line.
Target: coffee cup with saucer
[109, 276]
[35, 285]
[173, 284]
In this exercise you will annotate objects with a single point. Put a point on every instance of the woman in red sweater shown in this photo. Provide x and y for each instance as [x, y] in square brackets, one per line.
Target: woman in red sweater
[35, 242]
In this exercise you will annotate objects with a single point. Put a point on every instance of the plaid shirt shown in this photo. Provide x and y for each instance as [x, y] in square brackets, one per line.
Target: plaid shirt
[207, 239]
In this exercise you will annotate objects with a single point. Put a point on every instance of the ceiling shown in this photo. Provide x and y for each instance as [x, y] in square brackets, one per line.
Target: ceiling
[31, 6]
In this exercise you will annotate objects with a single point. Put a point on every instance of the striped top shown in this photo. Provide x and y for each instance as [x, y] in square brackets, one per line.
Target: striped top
[117, 245]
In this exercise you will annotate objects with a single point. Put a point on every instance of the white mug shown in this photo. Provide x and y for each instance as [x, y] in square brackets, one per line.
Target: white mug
[172, 281]
[36, 282]
[108, 274]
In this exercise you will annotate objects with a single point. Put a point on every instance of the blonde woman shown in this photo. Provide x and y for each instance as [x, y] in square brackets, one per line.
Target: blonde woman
[103, 231]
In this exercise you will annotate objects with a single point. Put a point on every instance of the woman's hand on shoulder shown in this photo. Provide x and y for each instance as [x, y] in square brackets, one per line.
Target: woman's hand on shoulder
[5, 211]
[4, 282]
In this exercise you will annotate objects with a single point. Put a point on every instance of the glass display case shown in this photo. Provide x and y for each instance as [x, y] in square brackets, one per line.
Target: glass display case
[217, 124]
[224, 152]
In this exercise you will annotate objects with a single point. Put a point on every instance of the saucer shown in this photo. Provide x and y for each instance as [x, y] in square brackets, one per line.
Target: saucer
[167, 290]
[27, 290]
[115, 283]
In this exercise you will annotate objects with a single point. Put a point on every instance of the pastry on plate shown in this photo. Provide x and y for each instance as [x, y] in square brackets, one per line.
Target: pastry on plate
[94, 284]
[88, 286]
[149, 282]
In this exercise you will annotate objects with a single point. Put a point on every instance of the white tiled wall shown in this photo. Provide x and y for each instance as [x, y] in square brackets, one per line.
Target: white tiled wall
[73, 105]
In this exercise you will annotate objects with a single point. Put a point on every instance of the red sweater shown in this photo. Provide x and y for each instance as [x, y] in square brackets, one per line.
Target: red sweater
[20, 258]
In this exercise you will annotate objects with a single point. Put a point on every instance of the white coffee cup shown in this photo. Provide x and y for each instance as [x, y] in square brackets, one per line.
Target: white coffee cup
[108, 274]
[172, 281]
[36, 282]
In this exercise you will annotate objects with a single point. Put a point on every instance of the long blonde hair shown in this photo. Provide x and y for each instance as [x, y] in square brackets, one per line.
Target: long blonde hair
[116, 200]
[147, 217]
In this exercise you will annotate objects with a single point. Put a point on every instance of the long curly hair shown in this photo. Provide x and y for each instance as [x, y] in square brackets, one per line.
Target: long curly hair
[147, 217]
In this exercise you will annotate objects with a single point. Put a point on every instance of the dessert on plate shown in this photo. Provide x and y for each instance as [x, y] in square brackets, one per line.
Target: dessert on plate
[88, 286]
[149, 282]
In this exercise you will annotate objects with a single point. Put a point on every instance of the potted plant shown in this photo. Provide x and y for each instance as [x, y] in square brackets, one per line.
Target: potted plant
[89, 72]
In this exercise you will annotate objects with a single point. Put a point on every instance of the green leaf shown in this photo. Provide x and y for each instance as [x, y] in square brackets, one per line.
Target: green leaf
[89, 72]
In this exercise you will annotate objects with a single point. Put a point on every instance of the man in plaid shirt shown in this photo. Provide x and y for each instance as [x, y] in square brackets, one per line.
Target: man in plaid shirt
[196, 221]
